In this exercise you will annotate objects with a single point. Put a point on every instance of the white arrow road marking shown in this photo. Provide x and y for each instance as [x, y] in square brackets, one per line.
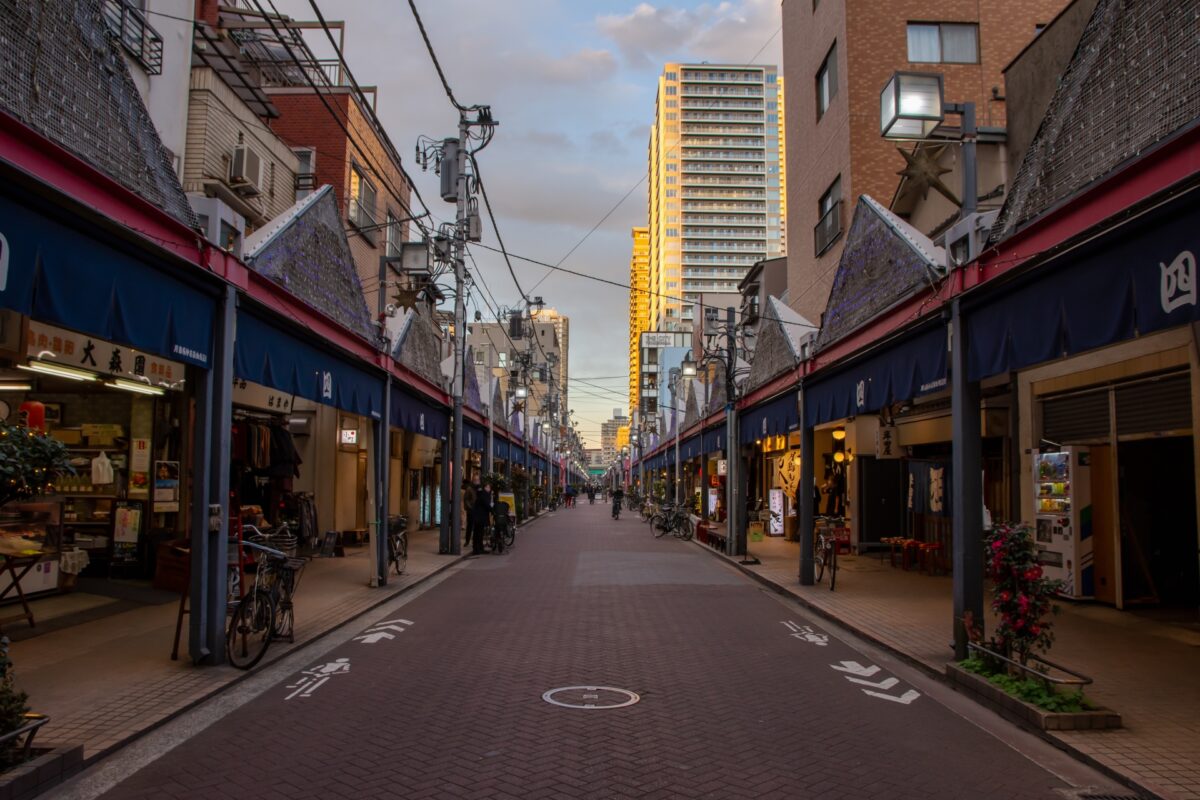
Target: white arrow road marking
[394, 622]
[373, 637]
[905, 699]
[884, 684]
[855, 668]
[377, 628]
[792, 625]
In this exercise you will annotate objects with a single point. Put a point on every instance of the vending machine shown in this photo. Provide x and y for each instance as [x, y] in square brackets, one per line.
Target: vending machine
[1064, 519]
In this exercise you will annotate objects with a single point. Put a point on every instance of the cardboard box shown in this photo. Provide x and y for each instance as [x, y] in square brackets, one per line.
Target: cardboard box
[68, 436]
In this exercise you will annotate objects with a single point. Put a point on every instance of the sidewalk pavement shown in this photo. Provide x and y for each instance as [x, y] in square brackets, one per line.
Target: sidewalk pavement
[106, 681]
[1144, 669]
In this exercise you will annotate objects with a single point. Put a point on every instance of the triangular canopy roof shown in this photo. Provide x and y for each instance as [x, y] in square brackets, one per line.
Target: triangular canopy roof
[777, 348]
[885, 260]
[1134, 81]
[305, 250]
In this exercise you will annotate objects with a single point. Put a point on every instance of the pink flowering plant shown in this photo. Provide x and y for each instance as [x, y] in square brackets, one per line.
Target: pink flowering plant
[1023, 595]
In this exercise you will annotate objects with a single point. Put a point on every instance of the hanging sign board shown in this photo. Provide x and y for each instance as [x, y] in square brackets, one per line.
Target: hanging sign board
[61, 346]
[887, 442]
[139, 468]
[776, 502]
[248, 394]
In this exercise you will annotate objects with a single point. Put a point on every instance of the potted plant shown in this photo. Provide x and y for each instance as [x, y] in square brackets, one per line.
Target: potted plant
[30, 462]
[1011, 670]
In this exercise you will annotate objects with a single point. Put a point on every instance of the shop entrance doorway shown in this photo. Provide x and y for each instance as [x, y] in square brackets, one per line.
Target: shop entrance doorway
[1158, 522]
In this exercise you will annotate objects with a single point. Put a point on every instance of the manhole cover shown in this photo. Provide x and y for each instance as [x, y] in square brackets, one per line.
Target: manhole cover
[590, 697]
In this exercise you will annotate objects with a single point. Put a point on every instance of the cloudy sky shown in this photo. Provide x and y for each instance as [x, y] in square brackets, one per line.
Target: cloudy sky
[572, 85]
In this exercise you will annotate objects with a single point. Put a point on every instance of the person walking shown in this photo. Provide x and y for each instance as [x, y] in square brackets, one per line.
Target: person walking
[468, 501]
[481, 513]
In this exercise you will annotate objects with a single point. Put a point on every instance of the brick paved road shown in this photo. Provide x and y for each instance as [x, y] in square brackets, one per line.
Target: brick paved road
[732, 704]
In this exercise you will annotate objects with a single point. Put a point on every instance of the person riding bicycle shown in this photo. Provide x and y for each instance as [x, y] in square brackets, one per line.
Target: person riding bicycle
[591, 495]
[617, 497]
[570, 495]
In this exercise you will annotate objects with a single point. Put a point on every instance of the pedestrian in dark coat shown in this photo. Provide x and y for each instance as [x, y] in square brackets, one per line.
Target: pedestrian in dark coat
[481, 514]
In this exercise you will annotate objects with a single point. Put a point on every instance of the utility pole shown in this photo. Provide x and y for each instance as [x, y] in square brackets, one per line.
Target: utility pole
[450, 158]
[733, 545]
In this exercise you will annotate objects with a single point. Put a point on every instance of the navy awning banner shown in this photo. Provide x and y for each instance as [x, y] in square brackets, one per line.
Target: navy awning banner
[269, 355]
[1140, 278]
[419, 415]
[500, 448]
[909, 368]
[775, 417]
[690, 448]
[714, 440]
[57, 274]
[474, 437]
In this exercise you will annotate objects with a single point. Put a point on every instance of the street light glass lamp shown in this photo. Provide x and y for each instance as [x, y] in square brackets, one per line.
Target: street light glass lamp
[522, 392]
[911, 105]
[688, 368]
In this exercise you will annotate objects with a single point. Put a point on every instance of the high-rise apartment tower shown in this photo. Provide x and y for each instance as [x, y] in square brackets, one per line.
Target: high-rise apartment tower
[639, 307]
[716, 166]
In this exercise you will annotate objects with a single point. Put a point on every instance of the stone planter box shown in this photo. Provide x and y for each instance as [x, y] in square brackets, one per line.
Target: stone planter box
[1018, 710]
[48, 768]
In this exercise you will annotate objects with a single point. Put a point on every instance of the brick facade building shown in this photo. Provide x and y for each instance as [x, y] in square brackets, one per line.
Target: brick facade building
[838, 54]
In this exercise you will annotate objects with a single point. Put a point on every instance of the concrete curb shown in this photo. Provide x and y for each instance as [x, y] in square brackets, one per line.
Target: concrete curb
[1046, 736]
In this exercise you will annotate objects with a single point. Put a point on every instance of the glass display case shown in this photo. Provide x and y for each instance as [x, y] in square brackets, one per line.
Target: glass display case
[30, 536]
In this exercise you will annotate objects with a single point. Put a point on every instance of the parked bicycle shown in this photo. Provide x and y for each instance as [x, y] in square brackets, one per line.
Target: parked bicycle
[502, 531]
[825, 545]
[674, 520]
[266, 611]
[398, 542]
[633, 501]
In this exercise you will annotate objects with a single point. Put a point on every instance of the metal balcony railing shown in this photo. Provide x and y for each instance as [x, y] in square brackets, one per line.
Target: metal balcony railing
[828, 229]
[136, 35]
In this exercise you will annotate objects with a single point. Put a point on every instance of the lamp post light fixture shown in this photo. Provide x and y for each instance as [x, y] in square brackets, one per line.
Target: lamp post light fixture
[912, 105]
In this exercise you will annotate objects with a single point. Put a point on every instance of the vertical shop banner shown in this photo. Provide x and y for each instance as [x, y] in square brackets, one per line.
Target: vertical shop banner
[166, 485]
[776, 502]
[127, 526]
[139, 468]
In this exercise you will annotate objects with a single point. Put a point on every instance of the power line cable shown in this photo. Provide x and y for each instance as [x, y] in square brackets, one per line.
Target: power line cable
[433, 57]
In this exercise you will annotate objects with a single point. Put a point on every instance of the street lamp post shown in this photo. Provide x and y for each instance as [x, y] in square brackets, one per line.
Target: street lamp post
[911, 107]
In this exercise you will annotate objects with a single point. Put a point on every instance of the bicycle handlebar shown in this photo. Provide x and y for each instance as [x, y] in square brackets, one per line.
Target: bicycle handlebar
[271, 552]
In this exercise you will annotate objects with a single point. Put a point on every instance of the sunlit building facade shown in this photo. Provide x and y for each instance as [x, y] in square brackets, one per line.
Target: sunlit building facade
[639, 306]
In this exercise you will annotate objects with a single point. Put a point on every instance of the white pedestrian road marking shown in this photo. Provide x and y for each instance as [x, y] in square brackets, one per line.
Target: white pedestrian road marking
[855, 668]
[905, 699]
[884, 684]
[806, 633]
[379, 631]
[316, 677]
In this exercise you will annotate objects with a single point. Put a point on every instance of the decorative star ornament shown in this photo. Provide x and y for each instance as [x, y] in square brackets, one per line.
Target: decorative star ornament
[923, 171]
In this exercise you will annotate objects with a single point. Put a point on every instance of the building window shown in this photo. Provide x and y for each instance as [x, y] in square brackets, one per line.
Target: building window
[829, 213]
[943, 43]
[671, 90]
[672, 76]
[392, 235]
[479, 357]
[503, 359]
[361, 208]
[306, 171]
[827, 81]
[672, 104]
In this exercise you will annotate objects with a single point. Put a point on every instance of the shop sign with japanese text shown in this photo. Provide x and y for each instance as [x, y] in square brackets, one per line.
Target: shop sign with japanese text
[61, 346]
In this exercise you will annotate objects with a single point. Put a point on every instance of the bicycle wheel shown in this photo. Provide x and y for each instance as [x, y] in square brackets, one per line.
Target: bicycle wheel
[398, 551]
[819, 562]
[685, 530]
[250, 629]
[510, 535]
[660, 525]
[832, 566]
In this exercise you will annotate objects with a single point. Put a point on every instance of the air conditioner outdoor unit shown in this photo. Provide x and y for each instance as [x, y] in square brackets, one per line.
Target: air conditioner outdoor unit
[246, 171]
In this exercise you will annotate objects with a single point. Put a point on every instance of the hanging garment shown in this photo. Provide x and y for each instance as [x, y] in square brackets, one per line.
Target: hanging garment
[102, 469]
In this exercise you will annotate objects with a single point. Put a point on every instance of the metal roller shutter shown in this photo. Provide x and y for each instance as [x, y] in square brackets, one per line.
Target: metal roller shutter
[1076, 417]
[1161, 404]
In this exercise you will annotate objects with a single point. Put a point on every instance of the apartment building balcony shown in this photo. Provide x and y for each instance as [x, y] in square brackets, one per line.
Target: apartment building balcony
[710, 90]
[749, 154]
[738, 207]
[696, 129]
[136, 35]
[720, 246]
[748, 118]
[715, 260]
[717, 141]
[722, 194]
[731, 181]
[695, 76]
[747, 233]
[749, 220]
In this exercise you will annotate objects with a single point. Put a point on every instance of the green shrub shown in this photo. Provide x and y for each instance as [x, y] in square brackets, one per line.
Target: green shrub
[1033, 691]
[13, 707]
